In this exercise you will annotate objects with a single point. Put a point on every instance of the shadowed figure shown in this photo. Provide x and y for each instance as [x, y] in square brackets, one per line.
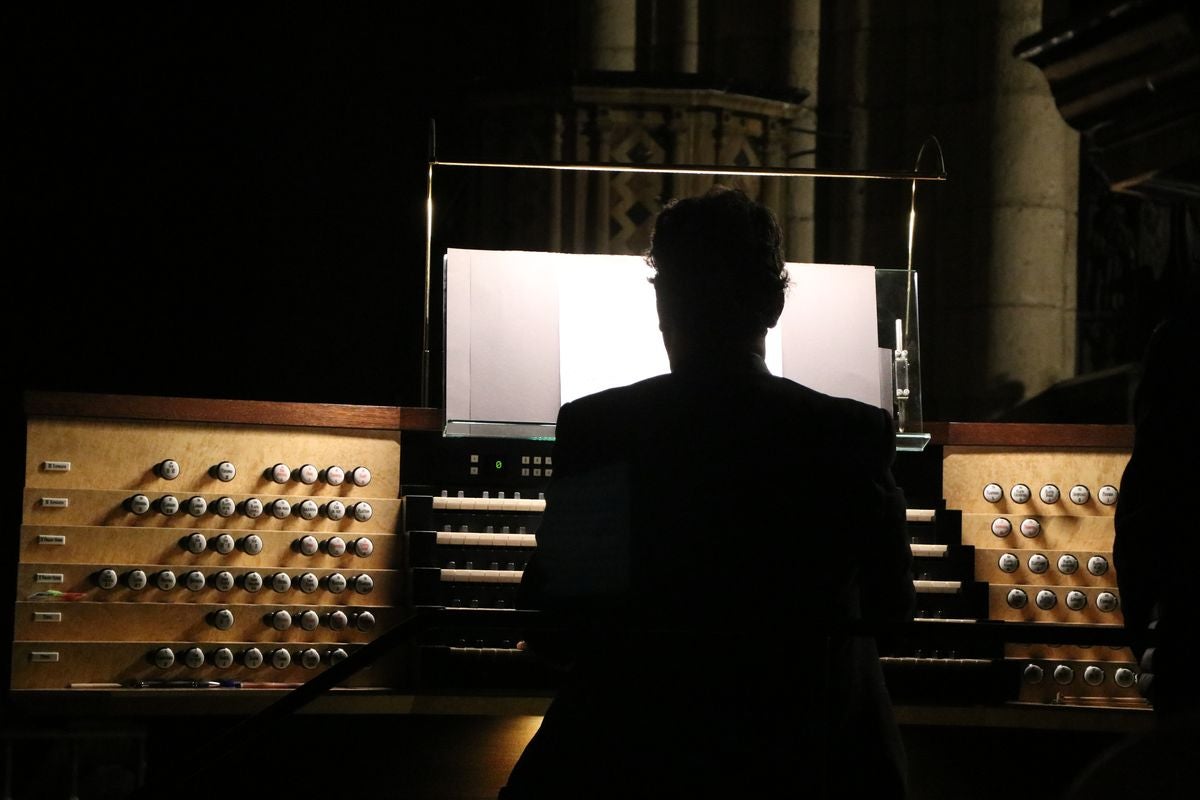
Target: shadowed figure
[1155, 533]
[708, 536]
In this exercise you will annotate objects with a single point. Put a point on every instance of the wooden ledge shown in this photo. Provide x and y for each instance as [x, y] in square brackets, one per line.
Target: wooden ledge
[241, 412]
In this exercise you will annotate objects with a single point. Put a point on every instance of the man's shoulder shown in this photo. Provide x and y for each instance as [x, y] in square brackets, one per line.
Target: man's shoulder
[621, 396]
[827, 404]
[789, 396]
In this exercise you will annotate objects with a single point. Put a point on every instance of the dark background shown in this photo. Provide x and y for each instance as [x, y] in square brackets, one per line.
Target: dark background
[229, 203]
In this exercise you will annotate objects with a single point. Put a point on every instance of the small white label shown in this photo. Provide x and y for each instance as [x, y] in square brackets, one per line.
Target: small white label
[48, 577]
[226, 506]
[168, 504]
[223, 658]
[224, 581]
[993, 493]
[44, 656]
[47, 616]
[1068, 564]
[197, 506]
[56, 466]
[55, 502]
[309, 510]
[51, 538]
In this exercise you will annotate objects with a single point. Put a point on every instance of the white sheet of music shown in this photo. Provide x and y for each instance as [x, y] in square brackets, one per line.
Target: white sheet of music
[829, 330]
[502, 336]
[607, 325]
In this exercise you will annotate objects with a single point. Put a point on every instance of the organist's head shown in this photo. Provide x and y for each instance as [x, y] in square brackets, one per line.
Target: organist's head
[718, 274]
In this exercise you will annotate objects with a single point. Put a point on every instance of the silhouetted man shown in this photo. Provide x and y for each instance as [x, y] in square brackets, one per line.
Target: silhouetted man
[707, 538]
[1154, 526]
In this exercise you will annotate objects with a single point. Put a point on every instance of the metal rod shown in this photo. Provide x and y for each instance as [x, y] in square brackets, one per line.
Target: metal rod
[682, 169]
[428, 274]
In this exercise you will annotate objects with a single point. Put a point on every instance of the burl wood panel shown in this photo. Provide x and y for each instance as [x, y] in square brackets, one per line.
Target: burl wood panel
[122, 454]
[185, 623]
[998, 607]
[987, 568]
[114, 546]
[1059, 532]
[106, 507]
[966, 470]
[123, 662]
[1078, 692]
[81, 578]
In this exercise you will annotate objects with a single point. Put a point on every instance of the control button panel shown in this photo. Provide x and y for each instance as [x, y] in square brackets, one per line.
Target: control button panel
[204, 552]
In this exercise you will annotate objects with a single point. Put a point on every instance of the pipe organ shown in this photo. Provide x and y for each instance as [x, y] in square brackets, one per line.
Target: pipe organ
[213, 545]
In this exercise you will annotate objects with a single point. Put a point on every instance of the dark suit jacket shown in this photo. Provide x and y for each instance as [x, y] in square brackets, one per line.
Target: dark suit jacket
[1154, 523]
[707, 535]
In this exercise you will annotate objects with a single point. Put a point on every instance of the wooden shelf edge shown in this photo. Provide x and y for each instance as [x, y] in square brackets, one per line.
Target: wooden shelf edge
[241, 412]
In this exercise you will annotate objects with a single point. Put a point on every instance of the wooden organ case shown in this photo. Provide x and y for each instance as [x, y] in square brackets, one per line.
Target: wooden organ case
[148, 572]
[165, 542]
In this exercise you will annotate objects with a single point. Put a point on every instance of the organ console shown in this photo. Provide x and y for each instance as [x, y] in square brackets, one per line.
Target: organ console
[191, 556]
[186, 540]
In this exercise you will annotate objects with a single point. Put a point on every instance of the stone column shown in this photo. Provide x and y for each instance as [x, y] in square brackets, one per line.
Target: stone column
[687, 51]
[611, 30]
[1029, 211]
[803, 57]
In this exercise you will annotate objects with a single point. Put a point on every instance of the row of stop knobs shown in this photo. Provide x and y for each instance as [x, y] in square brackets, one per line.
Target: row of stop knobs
[1076, 600]
[169, 469]
[225, 581]
[252, 657]
[1093, 675]
[252, 544]
[308, 620]
[169, 505]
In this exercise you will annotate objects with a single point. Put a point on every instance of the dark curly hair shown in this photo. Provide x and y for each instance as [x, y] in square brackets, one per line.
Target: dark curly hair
[718, 265]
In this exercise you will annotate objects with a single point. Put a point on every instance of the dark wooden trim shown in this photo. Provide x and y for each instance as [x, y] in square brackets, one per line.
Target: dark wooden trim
[1024, 434]
[242, 412]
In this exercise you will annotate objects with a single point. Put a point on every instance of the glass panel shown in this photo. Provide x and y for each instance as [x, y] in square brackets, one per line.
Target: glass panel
[899, 334]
